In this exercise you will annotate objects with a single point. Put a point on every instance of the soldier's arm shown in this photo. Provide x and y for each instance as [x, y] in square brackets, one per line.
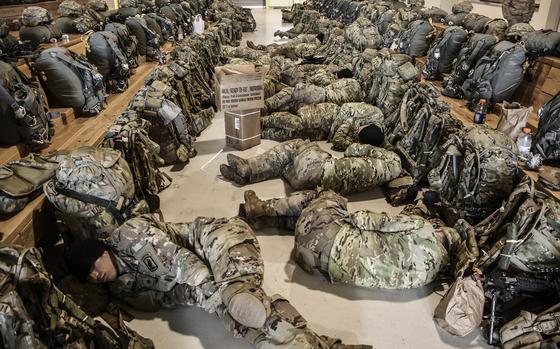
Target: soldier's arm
[344, 136]
[382, 222]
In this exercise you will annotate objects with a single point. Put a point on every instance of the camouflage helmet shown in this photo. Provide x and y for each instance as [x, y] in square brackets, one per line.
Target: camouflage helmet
[515, 32]
[98, 5]
[416, 2]
[34, 15]
[129, 3]
[462, 7]
[70, 8]
[149, 3]
[160, 3]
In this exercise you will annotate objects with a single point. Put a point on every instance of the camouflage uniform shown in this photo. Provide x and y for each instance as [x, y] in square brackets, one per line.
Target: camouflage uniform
[324, 121]
[518, 11]
[339, 92]
[204, 263]
[362, 248]
[306, 166]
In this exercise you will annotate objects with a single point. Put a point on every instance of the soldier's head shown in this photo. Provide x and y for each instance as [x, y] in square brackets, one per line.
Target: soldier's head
[371, 134]
[91, 261]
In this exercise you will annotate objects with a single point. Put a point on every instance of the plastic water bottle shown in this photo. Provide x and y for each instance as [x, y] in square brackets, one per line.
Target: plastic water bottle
[524, 142]
[480, 112]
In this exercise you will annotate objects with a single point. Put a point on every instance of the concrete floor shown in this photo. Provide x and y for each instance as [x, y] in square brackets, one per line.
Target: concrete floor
[384, 319]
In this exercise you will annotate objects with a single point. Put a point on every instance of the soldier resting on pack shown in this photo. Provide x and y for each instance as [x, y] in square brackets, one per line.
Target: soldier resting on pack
[362, 248]
[325, 121]
[306, 166]
[211, 263]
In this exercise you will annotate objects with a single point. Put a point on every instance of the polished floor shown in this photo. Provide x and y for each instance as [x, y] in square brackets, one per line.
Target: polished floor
[384, 319]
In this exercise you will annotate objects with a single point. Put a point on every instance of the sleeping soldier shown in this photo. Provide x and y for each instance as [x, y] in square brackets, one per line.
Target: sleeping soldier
[211, 263]
[361, 248]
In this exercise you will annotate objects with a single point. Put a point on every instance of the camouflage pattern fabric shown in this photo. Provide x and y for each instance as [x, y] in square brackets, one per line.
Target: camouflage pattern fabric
[35, 314]
[362, 34]
[394, 74]
[70, 8]
[33, 16]
[518, 11]
[100, 173]
[362, 248]
[203, 263]
[517, 31]
[306, 166]
[352, 116]
[311, 122]
[462, 7]
[129, 135]
[531, 329]
[488, 172]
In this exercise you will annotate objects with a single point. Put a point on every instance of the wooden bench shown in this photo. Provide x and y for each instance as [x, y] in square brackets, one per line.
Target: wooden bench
[36, 220]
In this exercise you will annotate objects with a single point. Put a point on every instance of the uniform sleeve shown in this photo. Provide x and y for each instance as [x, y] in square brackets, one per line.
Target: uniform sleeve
[381, 222]
[345, 135]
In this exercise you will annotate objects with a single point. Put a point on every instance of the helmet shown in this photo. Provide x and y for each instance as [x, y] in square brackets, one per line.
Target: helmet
[128, 3]
[462, 7]
[161, 3]
[98, 5]
[34, 15]
[70, 8]
[515, 32]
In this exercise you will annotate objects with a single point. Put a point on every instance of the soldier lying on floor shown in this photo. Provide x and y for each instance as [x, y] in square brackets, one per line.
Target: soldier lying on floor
[325, 121]
[362, 248]
[211, 263]
[306, 166]
[292, 98]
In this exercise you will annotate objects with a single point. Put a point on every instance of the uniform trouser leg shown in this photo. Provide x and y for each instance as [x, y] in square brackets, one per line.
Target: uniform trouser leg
[281, 212]
[362, 172]
[281, 126]
[271, 163]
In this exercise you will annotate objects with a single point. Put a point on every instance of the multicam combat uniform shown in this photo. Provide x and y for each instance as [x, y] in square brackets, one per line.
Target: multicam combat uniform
[203, 263]
[306, 166]
[362, 248]
[324, 121]
[292, 98]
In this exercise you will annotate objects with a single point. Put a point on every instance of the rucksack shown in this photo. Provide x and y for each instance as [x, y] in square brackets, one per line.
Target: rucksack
[455, 19]
[23, 110]
[496, 27]
[471, 19]
[419, 129]
[35, 313]
[127, 42]
[129, 135]
[165, 24]
[70, 81]
[104, 52]
[416, 39]
[168, 125]
[93, 192]
[477, 46]
[542, 43]
[148, 40]
[496, 76]
[547, 139]
[477, 173]
[393, 74]
[443, 52]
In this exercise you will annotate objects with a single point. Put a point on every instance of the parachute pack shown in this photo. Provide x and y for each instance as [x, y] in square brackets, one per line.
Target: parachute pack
[148, 40]
[443, 51]
[546, 141]
[416, 39]
[496, 76]
[70, 81]
[37, 26]
[126, 41]
[104, 52]
[23, 110]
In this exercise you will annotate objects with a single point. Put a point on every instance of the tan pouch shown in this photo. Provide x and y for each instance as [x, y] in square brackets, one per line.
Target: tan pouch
[514, 117]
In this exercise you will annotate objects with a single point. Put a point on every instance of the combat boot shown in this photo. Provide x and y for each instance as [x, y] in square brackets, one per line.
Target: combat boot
[239, 165]
[230, 174]
[255, 207]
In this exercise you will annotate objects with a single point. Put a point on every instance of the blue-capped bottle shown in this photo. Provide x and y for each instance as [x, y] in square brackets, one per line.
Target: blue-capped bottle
[480, 112]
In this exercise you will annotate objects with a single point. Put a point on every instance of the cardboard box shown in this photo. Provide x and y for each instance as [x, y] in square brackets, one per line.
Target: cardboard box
[239, 87]
[243, 128]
